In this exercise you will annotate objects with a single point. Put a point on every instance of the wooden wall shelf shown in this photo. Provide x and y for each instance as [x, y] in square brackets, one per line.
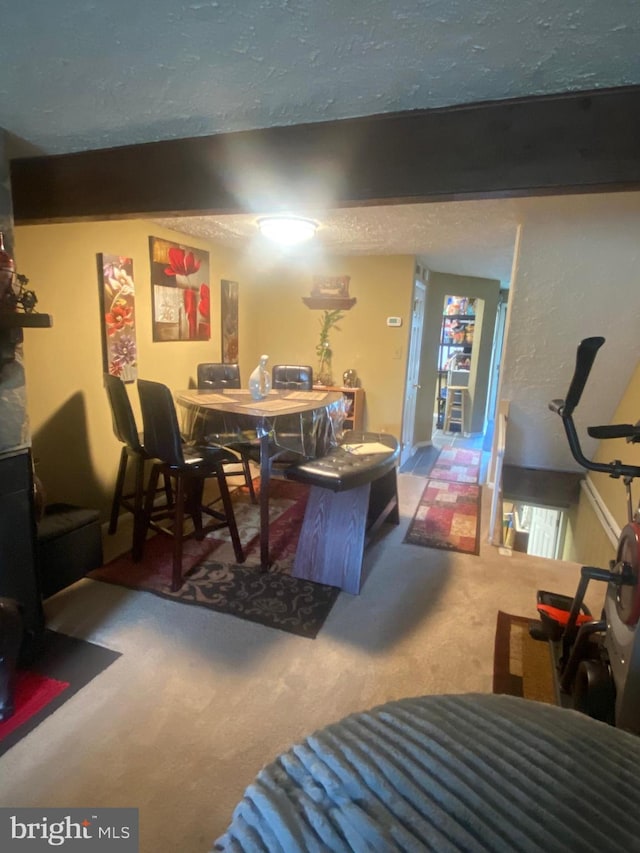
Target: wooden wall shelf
[22, 320]
[329, 302]
[11, 325]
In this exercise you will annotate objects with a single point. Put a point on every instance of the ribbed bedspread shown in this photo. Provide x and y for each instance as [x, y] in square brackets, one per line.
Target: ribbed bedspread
[443, 773]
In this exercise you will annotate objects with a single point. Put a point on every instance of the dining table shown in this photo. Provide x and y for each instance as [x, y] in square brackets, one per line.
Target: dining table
[293, 424]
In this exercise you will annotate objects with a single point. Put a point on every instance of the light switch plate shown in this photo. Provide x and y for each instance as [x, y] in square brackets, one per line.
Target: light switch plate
[394, 321]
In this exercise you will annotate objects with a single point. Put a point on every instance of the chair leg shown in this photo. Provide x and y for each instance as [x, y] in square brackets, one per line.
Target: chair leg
[117, 493]
[178, 532]
[168, 491]
[138, 497]
[196, 490]
[249, 480]
[230, 516]
[141, 526]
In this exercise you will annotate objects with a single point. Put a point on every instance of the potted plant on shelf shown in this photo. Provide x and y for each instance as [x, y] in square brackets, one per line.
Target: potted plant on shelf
[328, 321]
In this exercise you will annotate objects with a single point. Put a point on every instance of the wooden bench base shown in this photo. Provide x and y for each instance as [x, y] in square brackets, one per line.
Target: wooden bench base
[337, 527]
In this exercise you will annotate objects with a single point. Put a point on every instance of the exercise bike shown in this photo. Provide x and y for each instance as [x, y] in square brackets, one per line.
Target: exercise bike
[597, 661]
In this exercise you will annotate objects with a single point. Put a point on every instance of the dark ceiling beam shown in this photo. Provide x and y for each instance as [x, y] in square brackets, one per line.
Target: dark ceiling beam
[578, 142]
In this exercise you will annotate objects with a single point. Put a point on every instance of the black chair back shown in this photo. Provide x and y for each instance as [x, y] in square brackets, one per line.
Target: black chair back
[292, 376]
[162, 439]
[215, 375]
[124, 422]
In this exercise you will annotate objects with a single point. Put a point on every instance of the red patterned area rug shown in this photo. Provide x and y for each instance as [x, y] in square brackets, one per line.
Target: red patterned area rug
[213, 579]
[448, 515]
[458, 466]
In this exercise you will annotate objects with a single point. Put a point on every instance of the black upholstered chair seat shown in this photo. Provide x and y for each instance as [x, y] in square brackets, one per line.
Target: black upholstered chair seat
[218, 375]
[340, 469]
[295, 377]
[199, 458]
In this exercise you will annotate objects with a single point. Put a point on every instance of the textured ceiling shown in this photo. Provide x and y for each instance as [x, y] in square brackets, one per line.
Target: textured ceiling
[79, 74]
[83, 74]
[465, 238]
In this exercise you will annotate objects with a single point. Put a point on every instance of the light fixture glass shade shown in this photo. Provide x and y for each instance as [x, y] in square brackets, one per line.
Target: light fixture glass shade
[287, 230]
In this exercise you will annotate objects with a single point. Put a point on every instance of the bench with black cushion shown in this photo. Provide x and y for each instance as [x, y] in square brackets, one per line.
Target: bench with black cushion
[352, 494]
[69, 546]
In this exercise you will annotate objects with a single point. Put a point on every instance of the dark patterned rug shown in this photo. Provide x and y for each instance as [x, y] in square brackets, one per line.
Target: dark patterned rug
[213, 579]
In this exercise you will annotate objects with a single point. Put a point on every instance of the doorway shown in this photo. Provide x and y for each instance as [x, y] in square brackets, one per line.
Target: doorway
[413, 371]
[535, 530]
[455, 358]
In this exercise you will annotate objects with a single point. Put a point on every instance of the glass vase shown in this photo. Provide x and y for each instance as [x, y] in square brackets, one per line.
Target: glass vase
[260, 380]
[325, 373]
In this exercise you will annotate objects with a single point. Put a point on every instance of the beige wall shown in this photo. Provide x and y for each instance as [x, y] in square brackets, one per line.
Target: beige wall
[69, 417]
[577, 275]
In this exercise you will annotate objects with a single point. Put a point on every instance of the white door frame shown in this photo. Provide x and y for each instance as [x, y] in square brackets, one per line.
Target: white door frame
[412, 385]
[496, 361]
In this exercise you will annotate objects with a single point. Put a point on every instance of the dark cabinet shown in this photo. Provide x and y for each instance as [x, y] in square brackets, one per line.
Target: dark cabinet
[18, 573]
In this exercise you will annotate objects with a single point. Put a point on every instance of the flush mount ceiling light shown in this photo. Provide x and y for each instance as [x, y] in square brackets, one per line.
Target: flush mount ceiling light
[287, 230]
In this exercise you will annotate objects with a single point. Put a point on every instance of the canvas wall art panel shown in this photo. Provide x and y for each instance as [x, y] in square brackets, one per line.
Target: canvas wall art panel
[229, 318]
[117, 300]
[180, 289]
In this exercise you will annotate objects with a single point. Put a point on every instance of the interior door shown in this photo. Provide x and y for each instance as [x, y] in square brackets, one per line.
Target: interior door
[496, 360]
[543, 532]
[413, 371]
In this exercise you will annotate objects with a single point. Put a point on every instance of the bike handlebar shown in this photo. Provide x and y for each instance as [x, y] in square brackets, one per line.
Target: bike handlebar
[629, 431]
[585, 357]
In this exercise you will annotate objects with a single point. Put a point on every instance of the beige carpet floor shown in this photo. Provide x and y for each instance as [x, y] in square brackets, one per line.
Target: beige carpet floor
[199, 701]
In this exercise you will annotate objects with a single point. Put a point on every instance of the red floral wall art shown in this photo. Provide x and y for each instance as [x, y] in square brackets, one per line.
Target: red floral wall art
[229, 320]
[117, 297]
[180, 284]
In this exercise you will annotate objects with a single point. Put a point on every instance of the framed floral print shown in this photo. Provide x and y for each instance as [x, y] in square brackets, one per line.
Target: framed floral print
[180, 287]
[117, 300]
[229, 320]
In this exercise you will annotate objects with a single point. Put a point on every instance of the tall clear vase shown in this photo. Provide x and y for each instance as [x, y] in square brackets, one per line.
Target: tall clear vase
[325, 374]
[260, 380]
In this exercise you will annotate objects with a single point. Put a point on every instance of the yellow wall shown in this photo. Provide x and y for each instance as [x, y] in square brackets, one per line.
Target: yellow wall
[73, 442]
[612, 491]
[281, 325]
[586, 541]
[70, 421]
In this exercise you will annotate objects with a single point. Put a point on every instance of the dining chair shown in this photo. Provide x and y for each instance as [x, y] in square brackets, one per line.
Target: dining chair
[292, 376]
[188, 468]
[212, 374]
[126, 431]
[218, 375]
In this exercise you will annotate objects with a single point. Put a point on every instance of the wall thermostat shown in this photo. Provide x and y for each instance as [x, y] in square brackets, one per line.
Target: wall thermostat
[394, 321]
